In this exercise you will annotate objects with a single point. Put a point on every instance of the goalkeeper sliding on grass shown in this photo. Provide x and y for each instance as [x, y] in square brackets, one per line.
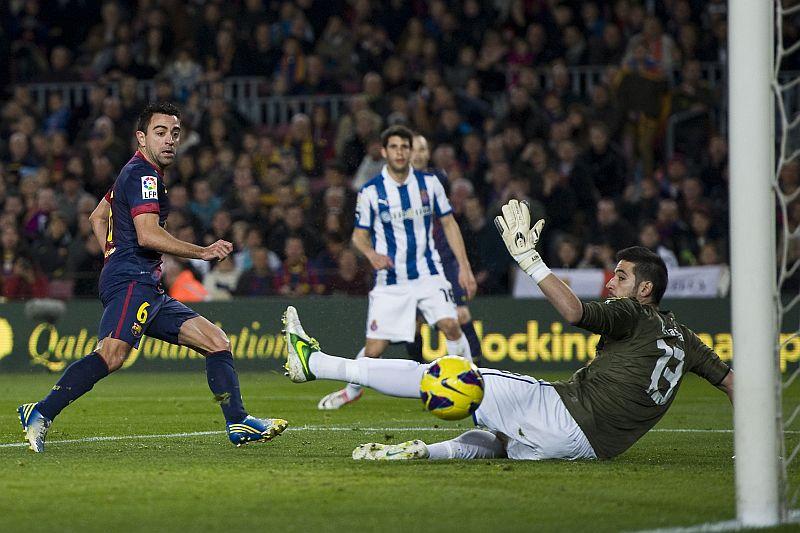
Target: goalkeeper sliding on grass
[642, 356]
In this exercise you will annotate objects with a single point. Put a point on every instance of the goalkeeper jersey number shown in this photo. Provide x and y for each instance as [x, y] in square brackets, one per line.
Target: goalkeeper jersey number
[642, 356]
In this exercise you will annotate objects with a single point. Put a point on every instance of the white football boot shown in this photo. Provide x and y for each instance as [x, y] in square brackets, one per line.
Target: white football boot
[337, 399]
[373, 451]
[299, 347]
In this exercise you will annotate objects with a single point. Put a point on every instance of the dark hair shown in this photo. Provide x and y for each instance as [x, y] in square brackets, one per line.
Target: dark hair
[397, 131]
[336, 165]
[647, 266]
[163, 108]
[596, 124]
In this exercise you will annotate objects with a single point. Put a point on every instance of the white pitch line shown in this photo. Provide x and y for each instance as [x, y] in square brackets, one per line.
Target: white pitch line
[728, 525]
[114, 438]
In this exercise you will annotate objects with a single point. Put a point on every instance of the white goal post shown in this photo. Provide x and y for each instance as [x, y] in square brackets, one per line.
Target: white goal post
[757, 421]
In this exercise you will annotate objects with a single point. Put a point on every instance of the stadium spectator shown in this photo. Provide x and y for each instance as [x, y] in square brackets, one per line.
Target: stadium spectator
[293, 224]
[327, 261]
[296, 277]
[181, 282]
[25, 281]
[602, 164]
[85, 260]
[499, 176]
[335, 197]
[336, 46]
[650, 239]
[599, 256]
[568, 252]
[104, 132]
[709, 255]
[221, 227]
[484, 249]
[350, 277]
[300, 140]
[671, 227]
[641, 203]
[51, 249]
[19, 160]
[204, 203]
[222, 280]
[60, 68]
[660, 48]
[560, 201]
[248, 206]
[370, 165]
[101, 176]
[691, 196]
[641, 90]
[38, 215]
[610, 228]
[57, 155]
[12, 248]
[291, 68]
[714, 170]
[367, 126]
[261, 55]
[473, 162]
[206, 24]
[225, 59]
[323, 132]
[694, 100]
[258, 279]
[184, 231]
[253, 239]
[702, 230]
[676, 172]
[184, 72]
[58, 114]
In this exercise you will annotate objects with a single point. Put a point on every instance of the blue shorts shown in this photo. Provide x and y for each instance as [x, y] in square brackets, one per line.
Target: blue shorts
[138, 309]
[451, 274]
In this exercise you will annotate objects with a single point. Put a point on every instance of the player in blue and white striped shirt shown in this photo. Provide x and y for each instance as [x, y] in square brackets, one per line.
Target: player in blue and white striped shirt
[394, 219]
[420, 159]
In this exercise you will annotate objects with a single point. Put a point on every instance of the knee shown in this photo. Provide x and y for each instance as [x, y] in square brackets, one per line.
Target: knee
[450, 328]
[217, 341]
[374, 348]
[464, 316]
[114, 356]
[373, 353]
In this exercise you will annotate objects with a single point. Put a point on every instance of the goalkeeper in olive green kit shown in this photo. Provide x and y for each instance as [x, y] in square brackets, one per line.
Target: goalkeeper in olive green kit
[642, 356]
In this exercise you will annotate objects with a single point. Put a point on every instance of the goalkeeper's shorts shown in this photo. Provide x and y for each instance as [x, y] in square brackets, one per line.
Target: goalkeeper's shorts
[531, 417]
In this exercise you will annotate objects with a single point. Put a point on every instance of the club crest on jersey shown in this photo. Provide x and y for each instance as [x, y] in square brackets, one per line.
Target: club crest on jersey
[386, 216]
[374, 325]
[136, 329]
[149, 188]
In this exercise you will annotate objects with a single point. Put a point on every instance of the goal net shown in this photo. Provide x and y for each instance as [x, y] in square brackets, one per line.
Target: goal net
[785, 84]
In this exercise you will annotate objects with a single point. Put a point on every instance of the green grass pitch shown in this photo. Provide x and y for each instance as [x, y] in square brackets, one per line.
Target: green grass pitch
[678, 475]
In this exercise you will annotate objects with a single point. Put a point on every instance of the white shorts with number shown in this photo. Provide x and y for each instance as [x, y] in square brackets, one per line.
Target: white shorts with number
[530, 418]
[392, 313]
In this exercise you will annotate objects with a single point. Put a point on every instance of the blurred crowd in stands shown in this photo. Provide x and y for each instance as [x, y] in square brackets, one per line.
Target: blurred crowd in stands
[489, 83]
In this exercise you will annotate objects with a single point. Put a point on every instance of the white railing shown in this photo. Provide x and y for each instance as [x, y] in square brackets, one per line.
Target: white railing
[250, 95]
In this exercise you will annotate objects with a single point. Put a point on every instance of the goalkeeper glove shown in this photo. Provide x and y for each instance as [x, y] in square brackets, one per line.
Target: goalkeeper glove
[520, 239]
